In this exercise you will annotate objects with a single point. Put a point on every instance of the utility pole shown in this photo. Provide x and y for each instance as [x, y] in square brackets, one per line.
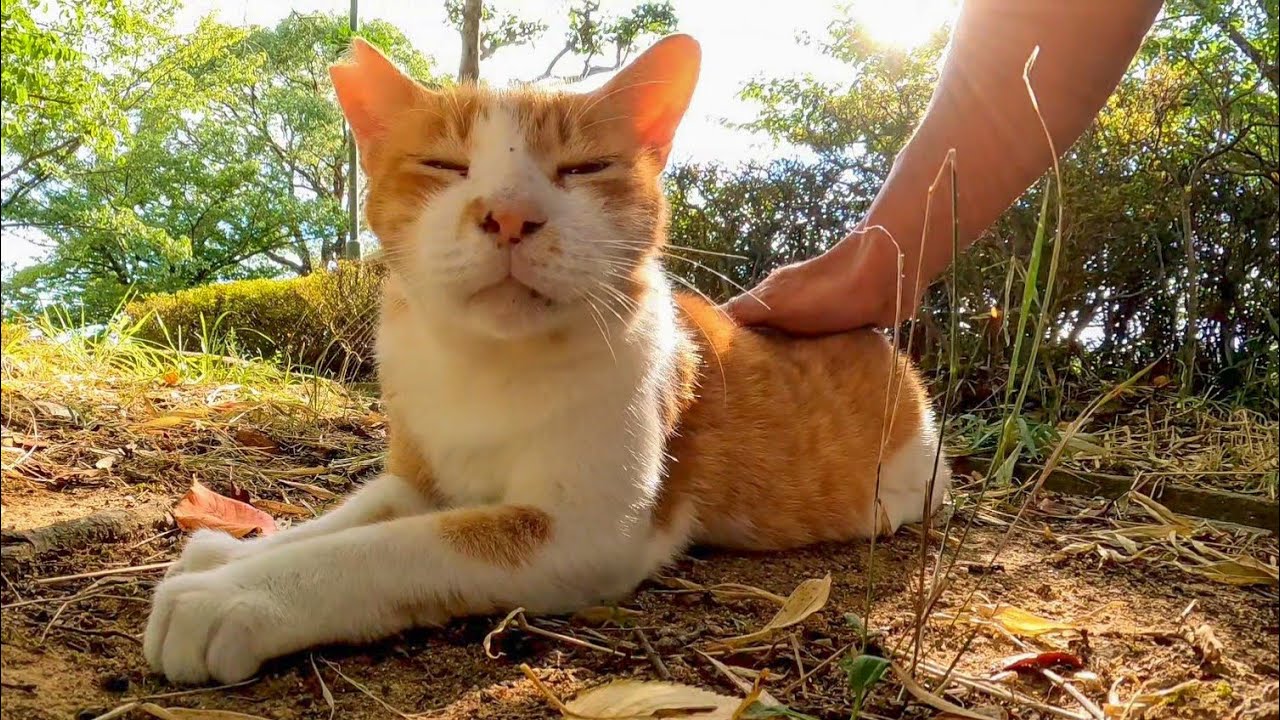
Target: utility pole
[352, 251]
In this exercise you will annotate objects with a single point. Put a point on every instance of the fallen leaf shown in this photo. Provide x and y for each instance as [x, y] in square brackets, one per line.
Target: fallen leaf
[255, 439]
[204, 508]
[808, 598]
[636, 700]
[1243, 570]
[1020, 622]
[53, 409]
[105, 462]
[165, 422]
[1035, 662]
[281, 508]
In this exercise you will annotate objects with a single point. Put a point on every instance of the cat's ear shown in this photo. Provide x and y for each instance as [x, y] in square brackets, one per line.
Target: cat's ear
[654, 90]
[371, 90]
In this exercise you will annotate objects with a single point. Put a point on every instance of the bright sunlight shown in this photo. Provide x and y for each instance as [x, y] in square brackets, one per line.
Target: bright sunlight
[903, 25]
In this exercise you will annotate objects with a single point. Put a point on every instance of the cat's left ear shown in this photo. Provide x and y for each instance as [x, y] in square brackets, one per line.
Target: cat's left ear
[654, 90]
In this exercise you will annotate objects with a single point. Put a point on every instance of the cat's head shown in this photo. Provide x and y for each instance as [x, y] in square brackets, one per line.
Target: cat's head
[514, 212]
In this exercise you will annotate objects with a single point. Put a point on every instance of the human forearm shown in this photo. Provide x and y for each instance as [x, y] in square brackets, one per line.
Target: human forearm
[982, 110]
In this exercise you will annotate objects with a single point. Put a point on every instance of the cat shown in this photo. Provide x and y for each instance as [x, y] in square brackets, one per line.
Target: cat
[561, 423]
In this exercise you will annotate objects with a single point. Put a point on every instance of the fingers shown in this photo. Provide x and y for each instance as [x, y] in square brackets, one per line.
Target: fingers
[748, 309]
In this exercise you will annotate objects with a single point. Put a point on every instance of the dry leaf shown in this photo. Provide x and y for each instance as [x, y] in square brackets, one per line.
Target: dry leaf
[1243, 570]
[204, 508]
[808, 598]
[165, 422]
[281, 508]
[636, 700]
[53, 409]
[105, 462]
[1020, 622]
[254, 439]
[1035, 662]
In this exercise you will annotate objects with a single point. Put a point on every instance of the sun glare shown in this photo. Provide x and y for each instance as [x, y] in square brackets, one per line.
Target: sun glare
[902, 24]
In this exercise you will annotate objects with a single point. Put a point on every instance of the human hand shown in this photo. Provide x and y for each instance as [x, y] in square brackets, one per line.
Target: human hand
[852, 285]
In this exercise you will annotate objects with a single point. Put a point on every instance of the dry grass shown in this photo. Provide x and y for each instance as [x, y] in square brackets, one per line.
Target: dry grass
[1152, 605]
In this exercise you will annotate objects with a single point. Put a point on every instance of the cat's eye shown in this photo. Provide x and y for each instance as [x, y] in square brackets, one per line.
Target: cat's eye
[585, 168]
[444, 165]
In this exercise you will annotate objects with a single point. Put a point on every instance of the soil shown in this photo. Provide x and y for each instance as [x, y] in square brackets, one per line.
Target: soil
[1142, 626]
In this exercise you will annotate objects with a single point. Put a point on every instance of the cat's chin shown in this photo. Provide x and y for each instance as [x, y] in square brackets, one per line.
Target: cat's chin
[510, 310]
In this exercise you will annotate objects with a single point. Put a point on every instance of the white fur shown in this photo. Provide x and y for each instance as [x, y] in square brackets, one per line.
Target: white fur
[905, 477]
[504, 415]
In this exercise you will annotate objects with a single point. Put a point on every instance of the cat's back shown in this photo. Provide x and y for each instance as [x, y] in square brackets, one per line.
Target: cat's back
[780, 445]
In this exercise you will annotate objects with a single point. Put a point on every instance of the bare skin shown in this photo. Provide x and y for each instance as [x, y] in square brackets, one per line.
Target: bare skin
[981, 109]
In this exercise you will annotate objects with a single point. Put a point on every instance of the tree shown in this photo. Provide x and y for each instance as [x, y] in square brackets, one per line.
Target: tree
[591, 35]
[1171, 228]
[231, 166]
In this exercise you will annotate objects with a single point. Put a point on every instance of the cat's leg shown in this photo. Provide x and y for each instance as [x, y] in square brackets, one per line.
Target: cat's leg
[384, 498]
[367, 582]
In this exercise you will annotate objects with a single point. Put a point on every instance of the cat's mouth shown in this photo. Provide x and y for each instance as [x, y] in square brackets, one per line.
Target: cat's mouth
[511, 290]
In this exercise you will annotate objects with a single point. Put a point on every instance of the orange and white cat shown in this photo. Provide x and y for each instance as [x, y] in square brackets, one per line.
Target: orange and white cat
[561, 423]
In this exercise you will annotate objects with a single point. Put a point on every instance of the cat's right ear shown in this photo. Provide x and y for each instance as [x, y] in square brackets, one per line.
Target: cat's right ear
[371, 90]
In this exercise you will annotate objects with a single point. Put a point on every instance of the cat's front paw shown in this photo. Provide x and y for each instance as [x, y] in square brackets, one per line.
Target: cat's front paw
[206, 550]
[207, 625]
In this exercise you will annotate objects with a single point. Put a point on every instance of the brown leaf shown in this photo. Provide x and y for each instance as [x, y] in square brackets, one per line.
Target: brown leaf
[281, 508]
[204, 508]
[53, 409]
[255, 439]
[808, 598]
[1035, 662]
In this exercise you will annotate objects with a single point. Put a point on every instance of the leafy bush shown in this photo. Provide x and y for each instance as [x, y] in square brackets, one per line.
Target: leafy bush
[322, 322]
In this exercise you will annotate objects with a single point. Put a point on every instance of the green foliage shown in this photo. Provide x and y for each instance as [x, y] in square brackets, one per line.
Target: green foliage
[322, 322]
[1193, 127]
[227, 161]
[863, 673]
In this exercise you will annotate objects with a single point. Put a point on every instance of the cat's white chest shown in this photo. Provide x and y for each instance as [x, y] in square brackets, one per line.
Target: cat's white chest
[496, 432]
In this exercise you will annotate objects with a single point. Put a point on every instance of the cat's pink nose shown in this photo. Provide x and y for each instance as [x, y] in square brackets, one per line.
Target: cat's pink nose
[513, 220]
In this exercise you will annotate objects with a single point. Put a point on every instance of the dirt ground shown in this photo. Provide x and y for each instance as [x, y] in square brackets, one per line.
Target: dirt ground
[1161, 624]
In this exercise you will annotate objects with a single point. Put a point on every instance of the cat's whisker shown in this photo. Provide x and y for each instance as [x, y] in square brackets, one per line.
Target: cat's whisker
[600, 324]
[724, 277]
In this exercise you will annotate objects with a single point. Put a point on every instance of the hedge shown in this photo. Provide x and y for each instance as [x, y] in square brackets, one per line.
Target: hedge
[323, 322]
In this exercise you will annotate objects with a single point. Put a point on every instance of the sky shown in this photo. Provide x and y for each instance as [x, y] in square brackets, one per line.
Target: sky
[737, 45]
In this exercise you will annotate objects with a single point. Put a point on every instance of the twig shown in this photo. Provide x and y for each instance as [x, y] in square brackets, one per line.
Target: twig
[367, 693]
[103, 573]
[659, 666]
[193, 691]
[524, 625]
[818, 667]
[99, 633]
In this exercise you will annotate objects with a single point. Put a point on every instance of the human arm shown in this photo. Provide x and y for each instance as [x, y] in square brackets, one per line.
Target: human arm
[980, 108]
